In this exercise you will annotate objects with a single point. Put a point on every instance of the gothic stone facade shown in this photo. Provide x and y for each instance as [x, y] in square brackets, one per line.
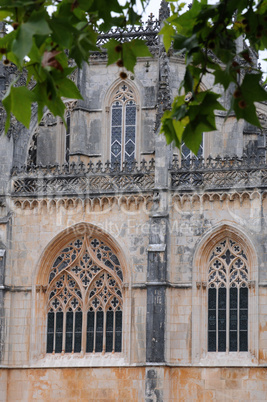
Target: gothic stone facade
[139, 279]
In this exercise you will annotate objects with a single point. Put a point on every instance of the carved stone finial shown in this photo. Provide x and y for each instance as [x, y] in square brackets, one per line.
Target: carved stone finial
[164, 11]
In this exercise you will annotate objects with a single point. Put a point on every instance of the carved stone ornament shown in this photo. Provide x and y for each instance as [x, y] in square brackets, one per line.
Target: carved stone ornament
[164, 11]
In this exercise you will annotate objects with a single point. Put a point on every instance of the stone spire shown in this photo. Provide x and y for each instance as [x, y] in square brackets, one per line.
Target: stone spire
[164, 11]
[2, 68]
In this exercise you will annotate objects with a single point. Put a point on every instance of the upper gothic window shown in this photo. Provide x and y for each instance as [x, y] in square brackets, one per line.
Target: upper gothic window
[84, 306]
[228, 298]
[123, 125]
[186, 154]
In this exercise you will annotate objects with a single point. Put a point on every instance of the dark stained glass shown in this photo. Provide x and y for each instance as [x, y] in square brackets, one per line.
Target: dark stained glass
[90, 331]
[118, 330]
[78, 331]
[109, 331]
[50, 332]
[116, 148]
[228, 257]
[244, 298]
[129, 148]
[222, 320]
[221, 341]
[59, 332]
[233, 320]
[222, 298]
[212, 320]
[99, 331]
[69, 331]
[243, 319]
[116, 134]
[116, 116]
[130, 115]
[130, 133]
[212, 298]
[212, 341]
[243, 341]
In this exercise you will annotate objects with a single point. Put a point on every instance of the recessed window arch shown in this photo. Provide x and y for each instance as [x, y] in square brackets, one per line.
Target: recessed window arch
[85, 298]
[228, 298]
[123, 124]
[225, 323]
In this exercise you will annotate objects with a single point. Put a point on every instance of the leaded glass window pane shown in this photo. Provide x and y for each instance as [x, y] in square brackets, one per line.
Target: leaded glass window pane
[90, 331]
[228, 275]
[118, 331]
[109, 331]
[69, 331]
[50, 332]
[85, 290]
[78, 331]
[59, 332]
[99, 331]
[123, 126]
[212, 320]
[233, 319]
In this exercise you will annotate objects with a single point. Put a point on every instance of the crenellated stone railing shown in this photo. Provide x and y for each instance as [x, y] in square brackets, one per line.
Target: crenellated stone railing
[148, 32]
[186, 175]
[80, 179]
[218, 173]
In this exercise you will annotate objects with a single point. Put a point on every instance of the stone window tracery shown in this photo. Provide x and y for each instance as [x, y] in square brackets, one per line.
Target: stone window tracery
[123, 125]
[228, 298]
[84, 306]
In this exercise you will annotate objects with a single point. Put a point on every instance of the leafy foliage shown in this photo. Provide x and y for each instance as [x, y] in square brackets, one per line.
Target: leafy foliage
[209, 37]
[42, 43]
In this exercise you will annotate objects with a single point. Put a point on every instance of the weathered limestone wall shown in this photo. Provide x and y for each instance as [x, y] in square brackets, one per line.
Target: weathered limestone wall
[128, 384]
[32, 230]
[192, 216]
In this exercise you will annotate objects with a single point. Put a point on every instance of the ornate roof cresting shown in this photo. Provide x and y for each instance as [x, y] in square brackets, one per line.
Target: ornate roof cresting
[164, 11]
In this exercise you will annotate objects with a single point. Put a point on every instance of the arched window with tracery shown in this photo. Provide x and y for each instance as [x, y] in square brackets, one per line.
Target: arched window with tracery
[228, 298]
[85, 301]
[123, 125]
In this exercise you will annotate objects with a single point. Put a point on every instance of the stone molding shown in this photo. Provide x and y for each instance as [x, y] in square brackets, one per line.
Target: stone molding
[104, 203]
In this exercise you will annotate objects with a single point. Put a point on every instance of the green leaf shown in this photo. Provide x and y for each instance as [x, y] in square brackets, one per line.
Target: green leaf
[22, 99]
[68, 89]
[18, 101]
[223, 77]
[62, 32]
[192, 136]
[133, 49]
[168, 32]
[36, 25]
[130, 51]
[252, 89]
[113, 55]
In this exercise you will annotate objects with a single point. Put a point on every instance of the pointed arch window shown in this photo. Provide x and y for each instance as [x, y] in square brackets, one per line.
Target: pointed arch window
[186, 154]
[228, 298]
[123, 125]
[84, 306]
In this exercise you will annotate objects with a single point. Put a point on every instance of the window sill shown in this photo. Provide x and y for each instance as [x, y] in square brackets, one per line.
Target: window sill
[78, 360]
[231, 359]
